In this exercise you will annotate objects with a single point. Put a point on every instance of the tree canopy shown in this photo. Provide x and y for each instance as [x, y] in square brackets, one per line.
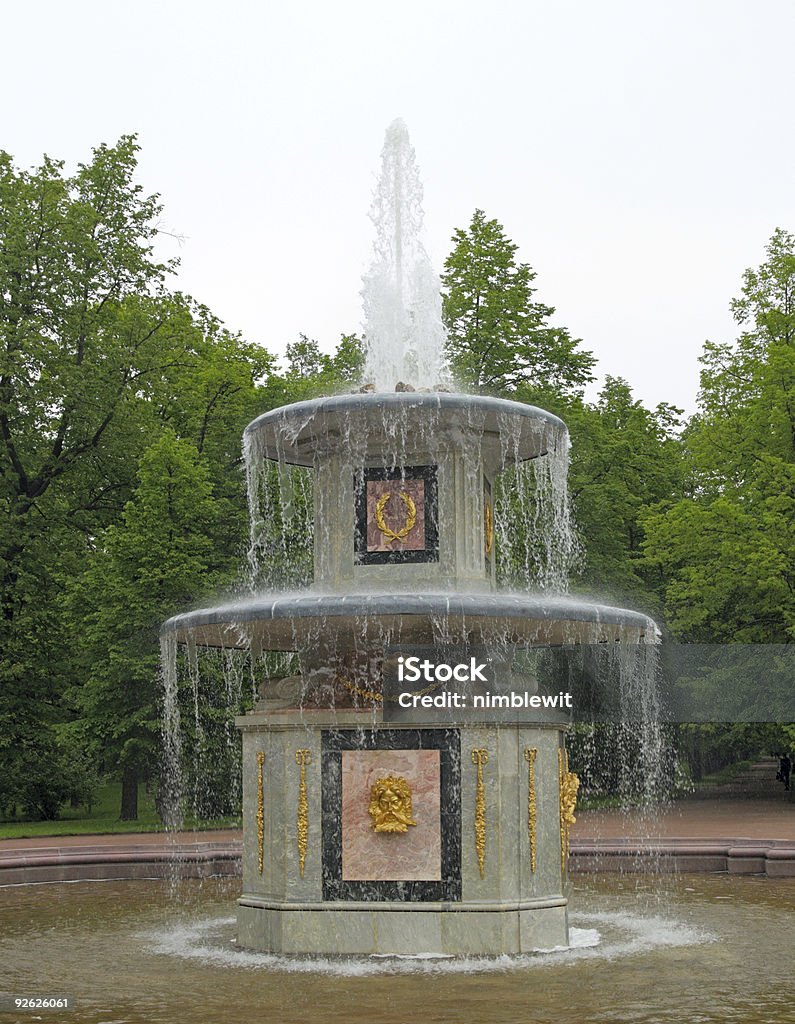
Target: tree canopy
[726, 550]
[97, 359]
[122, 497]
[500, 338]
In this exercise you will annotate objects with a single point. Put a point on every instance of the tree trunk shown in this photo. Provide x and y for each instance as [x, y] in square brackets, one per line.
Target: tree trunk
[129, 795]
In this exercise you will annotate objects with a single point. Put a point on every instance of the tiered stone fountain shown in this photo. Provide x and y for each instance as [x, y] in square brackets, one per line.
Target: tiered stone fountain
[362, 835]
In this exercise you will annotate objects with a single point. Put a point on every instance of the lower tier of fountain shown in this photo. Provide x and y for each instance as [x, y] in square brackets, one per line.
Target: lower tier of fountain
[371, 836]
[366, 839]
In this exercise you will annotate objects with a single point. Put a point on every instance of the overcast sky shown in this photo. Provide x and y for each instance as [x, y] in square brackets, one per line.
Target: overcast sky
[640, 155]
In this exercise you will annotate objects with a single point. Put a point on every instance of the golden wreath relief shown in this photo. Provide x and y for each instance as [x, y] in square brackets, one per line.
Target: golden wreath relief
[411, 516]
[390, 804]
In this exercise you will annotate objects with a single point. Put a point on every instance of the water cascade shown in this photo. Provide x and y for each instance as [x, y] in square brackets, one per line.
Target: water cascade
[384, 522]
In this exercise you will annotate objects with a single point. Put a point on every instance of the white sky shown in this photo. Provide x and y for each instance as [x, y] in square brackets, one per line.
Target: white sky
[640, 155]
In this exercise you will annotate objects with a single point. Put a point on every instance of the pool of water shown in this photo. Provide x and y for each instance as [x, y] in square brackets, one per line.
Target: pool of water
[690, 948]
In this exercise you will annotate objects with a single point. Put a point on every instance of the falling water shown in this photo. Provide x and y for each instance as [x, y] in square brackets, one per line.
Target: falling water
[171, 798]
[536, 542]
[404, 334]
[281, 520]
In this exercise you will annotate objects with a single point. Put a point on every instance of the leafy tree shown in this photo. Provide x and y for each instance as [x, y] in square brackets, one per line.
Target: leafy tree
[156, 561]
[727, 550]
[97, 358]
[81, 308]
[311, 372]
[625, 459]
[500, 338]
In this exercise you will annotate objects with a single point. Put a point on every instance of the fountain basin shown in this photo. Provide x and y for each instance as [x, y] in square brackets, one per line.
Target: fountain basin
[702, 948]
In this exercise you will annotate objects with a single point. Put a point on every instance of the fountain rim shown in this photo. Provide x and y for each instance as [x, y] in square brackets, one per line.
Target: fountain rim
[458, 406]
[508, 606]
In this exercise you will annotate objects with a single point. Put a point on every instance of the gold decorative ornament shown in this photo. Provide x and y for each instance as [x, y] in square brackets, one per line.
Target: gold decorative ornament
[260, 810]
[488, 525]
[390, 804]
[411, 516]
[480, 756]
[569, 784]
[373, 695]
[302, 759]
[360, 690]
[530, 754]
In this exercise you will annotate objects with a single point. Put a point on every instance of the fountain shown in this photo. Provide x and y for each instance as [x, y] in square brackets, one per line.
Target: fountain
[365, 834]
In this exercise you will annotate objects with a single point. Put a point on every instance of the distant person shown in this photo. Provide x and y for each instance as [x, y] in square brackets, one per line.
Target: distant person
[784, 770]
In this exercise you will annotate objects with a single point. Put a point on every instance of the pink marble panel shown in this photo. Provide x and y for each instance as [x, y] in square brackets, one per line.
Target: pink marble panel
[367, 855]
[395, 514]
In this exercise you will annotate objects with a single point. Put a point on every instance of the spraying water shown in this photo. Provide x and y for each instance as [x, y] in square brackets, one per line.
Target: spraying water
[404, 334]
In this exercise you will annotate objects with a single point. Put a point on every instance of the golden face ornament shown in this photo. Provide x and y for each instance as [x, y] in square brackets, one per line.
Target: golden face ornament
[390, 804]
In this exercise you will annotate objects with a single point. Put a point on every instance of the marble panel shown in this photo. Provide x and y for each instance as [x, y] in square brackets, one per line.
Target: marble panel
[389, 495]
[407, 500]
[416, 885]
[412, 852]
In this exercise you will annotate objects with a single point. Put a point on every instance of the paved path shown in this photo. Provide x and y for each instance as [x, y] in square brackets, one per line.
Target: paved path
[739, 836]
[148, 839]
[702, 819]
[738, 819]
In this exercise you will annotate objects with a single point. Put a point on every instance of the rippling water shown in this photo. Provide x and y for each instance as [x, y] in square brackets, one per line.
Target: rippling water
[705, 948]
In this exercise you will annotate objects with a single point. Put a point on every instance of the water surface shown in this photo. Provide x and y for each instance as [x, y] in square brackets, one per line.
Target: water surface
[692, 948]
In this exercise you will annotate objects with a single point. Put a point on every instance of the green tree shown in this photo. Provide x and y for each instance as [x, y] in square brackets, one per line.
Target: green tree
[311, 372]
[96, 359]
[625, 459]
[500, 338]
[81, 308]
[159, 559]
[727, 550]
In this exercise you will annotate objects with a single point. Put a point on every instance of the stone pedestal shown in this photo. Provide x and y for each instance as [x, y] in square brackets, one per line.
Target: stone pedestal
[452, 870]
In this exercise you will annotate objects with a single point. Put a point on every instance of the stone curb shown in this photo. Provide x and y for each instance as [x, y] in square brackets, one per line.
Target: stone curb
[92, 863]
[774, 858]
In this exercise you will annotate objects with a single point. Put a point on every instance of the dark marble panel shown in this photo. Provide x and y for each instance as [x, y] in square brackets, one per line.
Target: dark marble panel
[422, 544]
[448, 743]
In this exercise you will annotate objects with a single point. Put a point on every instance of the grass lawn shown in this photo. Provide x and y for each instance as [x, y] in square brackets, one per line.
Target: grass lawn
[104, 819]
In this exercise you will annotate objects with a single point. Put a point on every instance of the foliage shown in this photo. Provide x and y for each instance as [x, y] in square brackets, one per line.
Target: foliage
[499, 337]
[311, 372]
[81, 311]
[625, 459]
[101, 817]
[158, 559]
[709, 748]
[97, 359]
[726, 551]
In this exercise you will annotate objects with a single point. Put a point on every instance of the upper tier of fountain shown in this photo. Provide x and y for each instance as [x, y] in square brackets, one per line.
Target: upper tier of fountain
[437, 581]
[402, 516]
[390, 427]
